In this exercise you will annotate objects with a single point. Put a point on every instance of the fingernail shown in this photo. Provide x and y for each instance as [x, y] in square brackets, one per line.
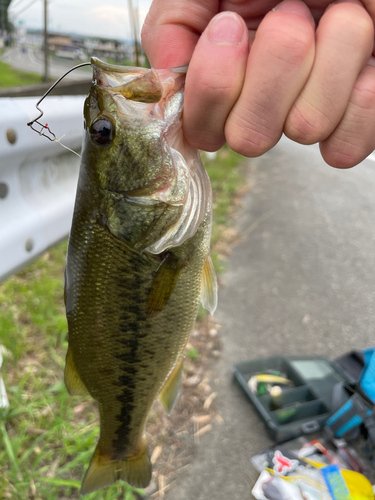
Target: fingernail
[226, 29]
[293, 7]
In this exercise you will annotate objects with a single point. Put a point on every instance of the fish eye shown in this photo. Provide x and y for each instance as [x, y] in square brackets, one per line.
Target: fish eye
[102, 131]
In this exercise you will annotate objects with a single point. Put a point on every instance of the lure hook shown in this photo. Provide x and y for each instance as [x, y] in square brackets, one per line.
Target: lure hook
[44, 127]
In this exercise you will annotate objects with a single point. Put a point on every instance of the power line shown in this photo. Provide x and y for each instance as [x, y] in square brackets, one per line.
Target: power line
[15, 3]
[25, 8]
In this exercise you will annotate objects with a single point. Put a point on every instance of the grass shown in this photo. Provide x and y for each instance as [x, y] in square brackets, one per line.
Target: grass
[226, 179]
[47, 437]
[10, 77]
[193, 353]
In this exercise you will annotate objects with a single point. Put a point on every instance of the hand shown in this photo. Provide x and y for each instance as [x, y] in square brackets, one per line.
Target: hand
[258, 69]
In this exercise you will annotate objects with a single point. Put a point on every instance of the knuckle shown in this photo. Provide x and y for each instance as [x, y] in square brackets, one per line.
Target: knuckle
[307, 128]
[148, 32]
[340, 155]
[289, 43]
[247, 139]
[364, 89]
[206, 141]
[145, 36]
[353, 17]
[349, 145]
[213, 87]
[350, 25]
[148, 27]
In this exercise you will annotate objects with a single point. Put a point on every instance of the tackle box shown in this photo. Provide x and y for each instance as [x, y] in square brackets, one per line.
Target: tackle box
[301, 409]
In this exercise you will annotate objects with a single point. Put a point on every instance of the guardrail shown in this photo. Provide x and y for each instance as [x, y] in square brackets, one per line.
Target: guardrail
[38, 178]
[80, 87]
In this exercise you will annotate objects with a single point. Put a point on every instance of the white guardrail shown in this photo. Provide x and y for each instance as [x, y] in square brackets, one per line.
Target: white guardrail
[38, 177]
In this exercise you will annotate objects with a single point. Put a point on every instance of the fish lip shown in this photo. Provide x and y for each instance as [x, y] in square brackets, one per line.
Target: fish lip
[95, 62]
[103, 71]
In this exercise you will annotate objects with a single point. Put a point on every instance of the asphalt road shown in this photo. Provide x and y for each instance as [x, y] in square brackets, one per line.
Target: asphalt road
[301, 281]
[33, 61]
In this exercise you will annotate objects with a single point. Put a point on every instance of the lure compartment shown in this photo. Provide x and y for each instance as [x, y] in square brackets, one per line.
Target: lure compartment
[301, 409]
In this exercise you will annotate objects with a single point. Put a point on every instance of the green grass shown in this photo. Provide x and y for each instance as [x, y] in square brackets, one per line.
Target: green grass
[47, 437]
[226, 178]
[193, 353]
[10, 77]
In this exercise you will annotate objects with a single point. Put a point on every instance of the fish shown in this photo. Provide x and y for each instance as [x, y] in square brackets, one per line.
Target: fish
[138, 261]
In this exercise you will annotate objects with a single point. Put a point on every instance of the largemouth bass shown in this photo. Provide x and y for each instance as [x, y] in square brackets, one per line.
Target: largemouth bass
[138, 261]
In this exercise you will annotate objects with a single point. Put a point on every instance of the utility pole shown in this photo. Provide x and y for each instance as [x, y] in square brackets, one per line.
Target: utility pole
[2, 18]
[133, 28]
[45, 78]
[136, 32]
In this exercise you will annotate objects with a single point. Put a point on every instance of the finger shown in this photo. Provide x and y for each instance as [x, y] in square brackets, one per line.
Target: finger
[172, 29]
[279, 63]
[354, 138]
[344, 42]
[214, 80]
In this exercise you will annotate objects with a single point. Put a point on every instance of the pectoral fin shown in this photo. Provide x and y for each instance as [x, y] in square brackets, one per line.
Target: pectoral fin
[163, 284]
[209, 286]
[72, 379]
[172, 387]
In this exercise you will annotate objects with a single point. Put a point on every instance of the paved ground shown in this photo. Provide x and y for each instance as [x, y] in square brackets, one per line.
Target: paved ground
[302, 281]
[33, 61]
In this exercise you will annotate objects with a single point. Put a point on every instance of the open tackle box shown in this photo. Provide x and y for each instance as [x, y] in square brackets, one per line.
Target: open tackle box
[302, 408]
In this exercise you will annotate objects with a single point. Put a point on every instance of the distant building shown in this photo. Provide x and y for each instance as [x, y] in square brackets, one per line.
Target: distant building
[67, 47]
[74, 46]
[106, 49]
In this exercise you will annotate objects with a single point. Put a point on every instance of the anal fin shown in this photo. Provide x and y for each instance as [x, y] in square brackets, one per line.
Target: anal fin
[172, 387]
[209, 286]
[72, 379]
[164, 282]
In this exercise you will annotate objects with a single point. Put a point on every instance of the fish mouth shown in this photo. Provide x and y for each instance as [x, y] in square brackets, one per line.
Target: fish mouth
[135, 84]
[138, 84]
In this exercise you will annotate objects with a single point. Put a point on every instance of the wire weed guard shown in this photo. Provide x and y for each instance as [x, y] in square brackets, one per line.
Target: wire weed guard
[44, 127]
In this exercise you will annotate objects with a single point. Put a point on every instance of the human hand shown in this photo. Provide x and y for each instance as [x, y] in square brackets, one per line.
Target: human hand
[313, 84]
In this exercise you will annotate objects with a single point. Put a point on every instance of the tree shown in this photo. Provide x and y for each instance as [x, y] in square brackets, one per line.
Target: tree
[5, 25]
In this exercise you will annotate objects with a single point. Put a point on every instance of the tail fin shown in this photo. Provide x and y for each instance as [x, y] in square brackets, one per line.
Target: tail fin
[135, 470]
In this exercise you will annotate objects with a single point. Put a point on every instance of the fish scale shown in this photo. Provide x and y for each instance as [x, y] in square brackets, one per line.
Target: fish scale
[130, 310]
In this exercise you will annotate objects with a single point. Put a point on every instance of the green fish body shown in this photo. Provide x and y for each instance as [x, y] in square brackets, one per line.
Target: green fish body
[138, 261]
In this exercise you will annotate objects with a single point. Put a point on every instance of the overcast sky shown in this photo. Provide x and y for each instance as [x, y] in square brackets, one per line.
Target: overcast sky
[107, 18]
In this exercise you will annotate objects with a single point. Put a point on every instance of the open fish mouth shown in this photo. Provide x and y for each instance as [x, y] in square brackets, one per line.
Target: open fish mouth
[135, 84]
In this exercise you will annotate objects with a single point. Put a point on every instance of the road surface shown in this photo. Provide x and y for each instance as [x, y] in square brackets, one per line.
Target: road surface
[301, 281]
[33, 61]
